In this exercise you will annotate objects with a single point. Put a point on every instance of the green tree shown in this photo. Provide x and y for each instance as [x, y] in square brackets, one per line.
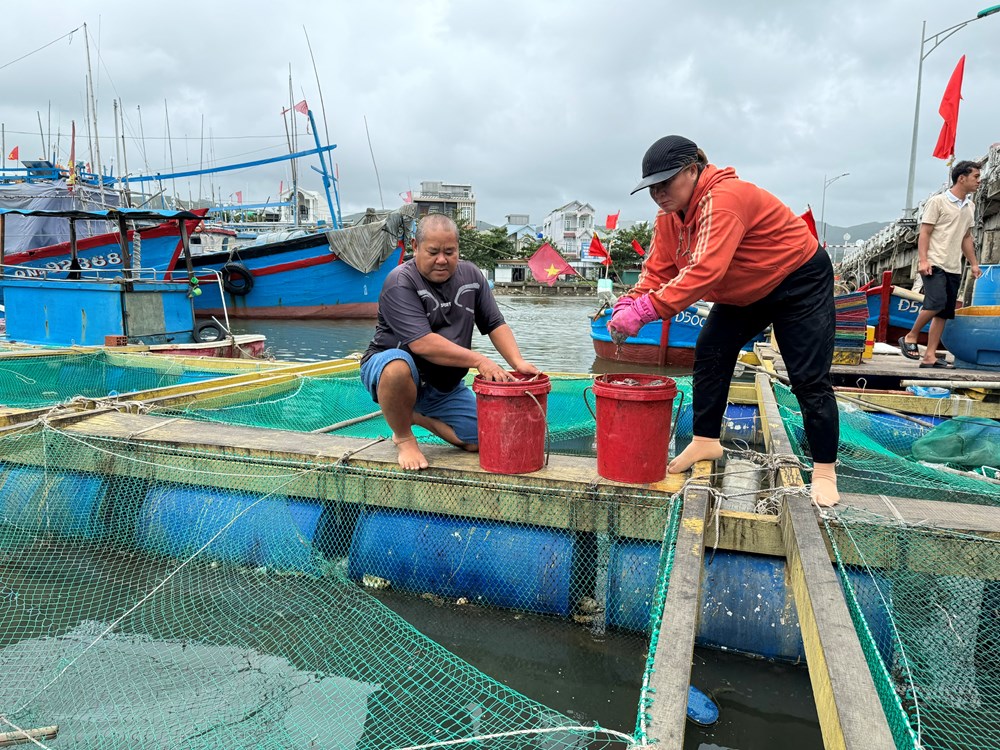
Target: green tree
[623, 255]
[483, 248]
[531, 245]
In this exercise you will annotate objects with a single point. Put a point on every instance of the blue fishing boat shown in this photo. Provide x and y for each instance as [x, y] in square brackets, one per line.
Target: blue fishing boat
[332, 274]
[663, 343]
[107, 299]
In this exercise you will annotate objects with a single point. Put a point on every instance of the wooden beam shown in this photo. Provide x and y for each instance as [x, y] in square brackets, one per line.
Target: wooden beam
[678, 626]
[850, 714]
[28, 735]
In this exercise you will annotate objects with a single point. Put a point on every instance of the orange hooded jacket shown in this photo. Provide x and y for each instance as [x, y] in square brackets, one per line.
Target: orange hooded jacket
[735, 243]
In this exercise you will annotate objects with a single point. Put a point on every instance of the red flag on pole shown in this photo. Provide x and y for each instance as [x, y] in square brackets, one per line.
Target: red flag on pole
[302, 107]
[638, 248]
[612, 221]
[810, 221]
[547, 265]
[12, 156]
[407, 196]
[596, 250]
[239, 196]
[945, 148]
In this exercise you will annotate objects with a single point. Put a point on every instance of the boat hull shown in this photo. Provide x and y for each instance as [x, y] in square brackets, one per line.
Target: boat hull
[298, 278]
[660, 343]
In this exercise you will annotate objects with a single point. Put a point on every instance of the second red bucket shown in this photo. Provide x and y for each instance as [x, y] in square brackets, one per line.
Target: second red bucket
[512, 425]
[633, 426]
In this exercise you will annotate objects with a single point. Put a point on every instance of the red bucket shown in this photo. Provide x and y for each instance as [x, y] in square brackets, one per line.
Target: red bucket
[512, 423]
[633, 426]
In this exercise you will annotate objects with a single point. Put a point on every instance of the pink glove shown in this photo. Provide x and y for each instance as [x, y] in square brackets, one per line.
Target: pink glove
[633, 317]
[622, 303]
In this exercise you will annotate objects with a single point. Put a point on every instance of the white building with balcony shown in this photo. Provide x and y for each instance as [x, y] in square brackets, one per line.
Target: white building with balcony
[570, 227]
[454, 200]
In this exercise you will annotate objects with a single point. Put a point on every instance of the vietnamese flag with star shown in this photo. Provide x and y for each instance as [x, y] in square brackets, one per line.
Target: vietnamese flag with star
[547, 265]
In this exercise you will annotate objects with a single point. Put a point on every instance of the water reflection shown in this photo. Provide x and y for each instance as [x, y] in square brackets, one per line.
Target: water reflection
[553, 333]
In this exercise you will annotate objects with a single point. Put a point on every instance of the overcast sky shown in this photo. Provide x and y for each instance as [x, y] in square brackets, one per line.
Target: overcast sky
[533, 103]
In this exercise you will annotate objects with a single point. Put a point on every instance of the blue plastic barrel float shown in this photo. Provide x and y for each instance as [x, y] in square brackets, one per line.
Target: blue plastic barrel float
[987, 288]
[275, 532]
[500, 564]
[741, 421]
[61, 502]
[745, 607]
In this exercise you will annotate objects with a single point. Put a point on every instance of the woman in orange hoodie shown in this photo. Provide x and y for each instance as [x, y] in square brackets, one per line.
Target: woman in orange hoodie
[727, 241]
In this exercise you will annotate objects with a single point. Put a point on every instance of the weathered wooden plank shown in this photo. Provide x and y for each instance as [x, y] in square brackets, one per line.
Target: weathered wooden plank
[28, 736]
[847, 704]
[675, 647]
[982, 520]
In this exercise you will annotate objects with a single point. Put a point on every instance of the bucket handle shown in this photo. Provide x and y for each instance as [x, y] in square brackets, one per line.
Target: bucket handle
[673, 422]
[587, 403]
[545, 421]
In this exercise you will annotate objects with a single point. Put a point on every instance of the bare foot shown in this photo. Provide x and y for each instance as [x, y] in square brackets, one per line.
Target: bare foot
[701, 449]
[824, 486]
[410, 456]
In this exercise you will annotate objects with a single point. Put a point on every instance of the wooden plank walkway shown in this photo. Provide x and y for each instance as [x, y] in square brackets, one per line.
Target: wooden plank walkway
[850, 714]
[678, 626]
[894, 366]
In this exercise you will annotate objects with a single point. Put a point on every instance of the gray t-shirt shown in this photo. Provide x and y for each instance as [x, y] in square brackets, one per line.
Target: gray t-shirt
[410, 307]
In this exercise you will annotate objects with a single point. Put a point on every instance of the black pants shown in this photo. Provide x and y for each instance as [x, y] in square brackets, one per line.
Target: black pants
[801, 310]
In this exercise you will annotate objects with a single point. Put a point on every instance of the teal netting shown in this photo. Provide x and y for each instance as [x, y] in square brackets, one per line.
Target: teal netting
[876, 457]
[38, 381]
[152, 597]
[926, 606]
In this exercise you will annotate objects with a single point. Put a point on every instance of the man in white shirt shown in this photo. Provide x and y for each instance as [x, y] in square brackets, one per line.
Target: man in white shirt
[945, 237]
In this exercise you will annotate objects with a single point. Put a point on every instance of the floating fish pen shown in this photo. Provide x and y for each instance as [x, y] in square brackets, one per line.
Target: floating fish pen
[188, 569]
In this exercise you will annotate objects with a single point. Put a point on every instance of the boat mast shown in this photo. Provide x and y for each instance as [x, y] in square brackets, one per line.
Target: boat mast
[114, 115]
[201, 156]
[93, 106]
[170, 145]
[121, 114]
[293, 146]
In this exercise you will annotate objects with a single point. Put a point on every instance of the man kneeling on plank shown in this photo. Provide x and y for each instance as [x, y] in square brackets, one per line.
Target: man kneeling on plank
[415, 365]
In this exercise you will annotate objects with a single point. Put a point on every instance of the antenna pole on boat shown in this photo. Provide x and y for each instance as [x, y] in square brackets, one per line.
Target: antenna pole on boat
[128, 194]
[334, 214]
[372, 152]
[41, 133]
[322, 104]
[201, 156]
[49, 131]
[93, 106]
[114, 116]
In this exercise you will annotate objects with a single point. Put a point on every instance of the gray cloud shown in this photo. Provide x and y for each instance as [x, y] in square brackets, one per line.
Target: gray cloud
[535, 104]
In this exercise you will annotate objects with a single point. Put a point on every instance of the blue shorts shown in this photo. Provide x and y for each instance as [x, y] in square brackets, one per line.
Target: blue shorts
[456, 408]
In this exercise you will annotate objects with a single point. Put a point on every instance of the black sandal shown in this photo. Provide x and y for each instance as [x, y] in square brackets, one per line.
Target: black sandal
[907, 349]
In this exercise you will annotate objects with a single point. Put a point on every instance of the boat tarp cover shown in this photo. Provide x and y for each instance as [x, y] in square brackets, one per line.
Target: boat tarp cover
[963, 441]
[366, 246]
[29, 232]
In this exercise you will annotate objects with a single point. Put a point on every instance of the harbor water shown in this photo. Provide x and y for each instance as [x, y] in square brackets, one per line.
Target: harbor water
[763, 705]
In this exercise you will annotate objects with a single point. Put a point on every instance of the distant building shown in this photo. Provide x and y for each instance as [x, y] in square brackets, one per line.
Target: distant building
[312, 207]
[451, 199]
[570, 227]
[518, 219]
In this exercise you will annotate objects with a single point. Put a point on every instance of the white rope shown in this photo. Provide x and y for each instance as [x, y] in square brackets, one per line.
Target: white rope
[521, 732]
[156, 588]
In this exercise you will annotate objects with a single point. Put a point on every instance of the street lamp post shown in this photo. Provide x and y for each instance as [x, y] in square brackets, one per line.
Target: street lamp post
[937, 38]
[822, 210]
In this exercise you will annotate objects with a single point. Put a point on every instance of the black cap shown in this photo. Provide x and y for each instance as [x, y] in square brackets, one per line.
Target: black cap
[664, 159]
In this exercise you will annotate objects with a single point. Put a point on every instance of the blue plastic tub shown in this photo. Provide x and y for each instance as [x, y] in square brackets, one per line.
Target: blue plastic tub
[987, 288]
[68, 505]
[504, 565]
[276, 532]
